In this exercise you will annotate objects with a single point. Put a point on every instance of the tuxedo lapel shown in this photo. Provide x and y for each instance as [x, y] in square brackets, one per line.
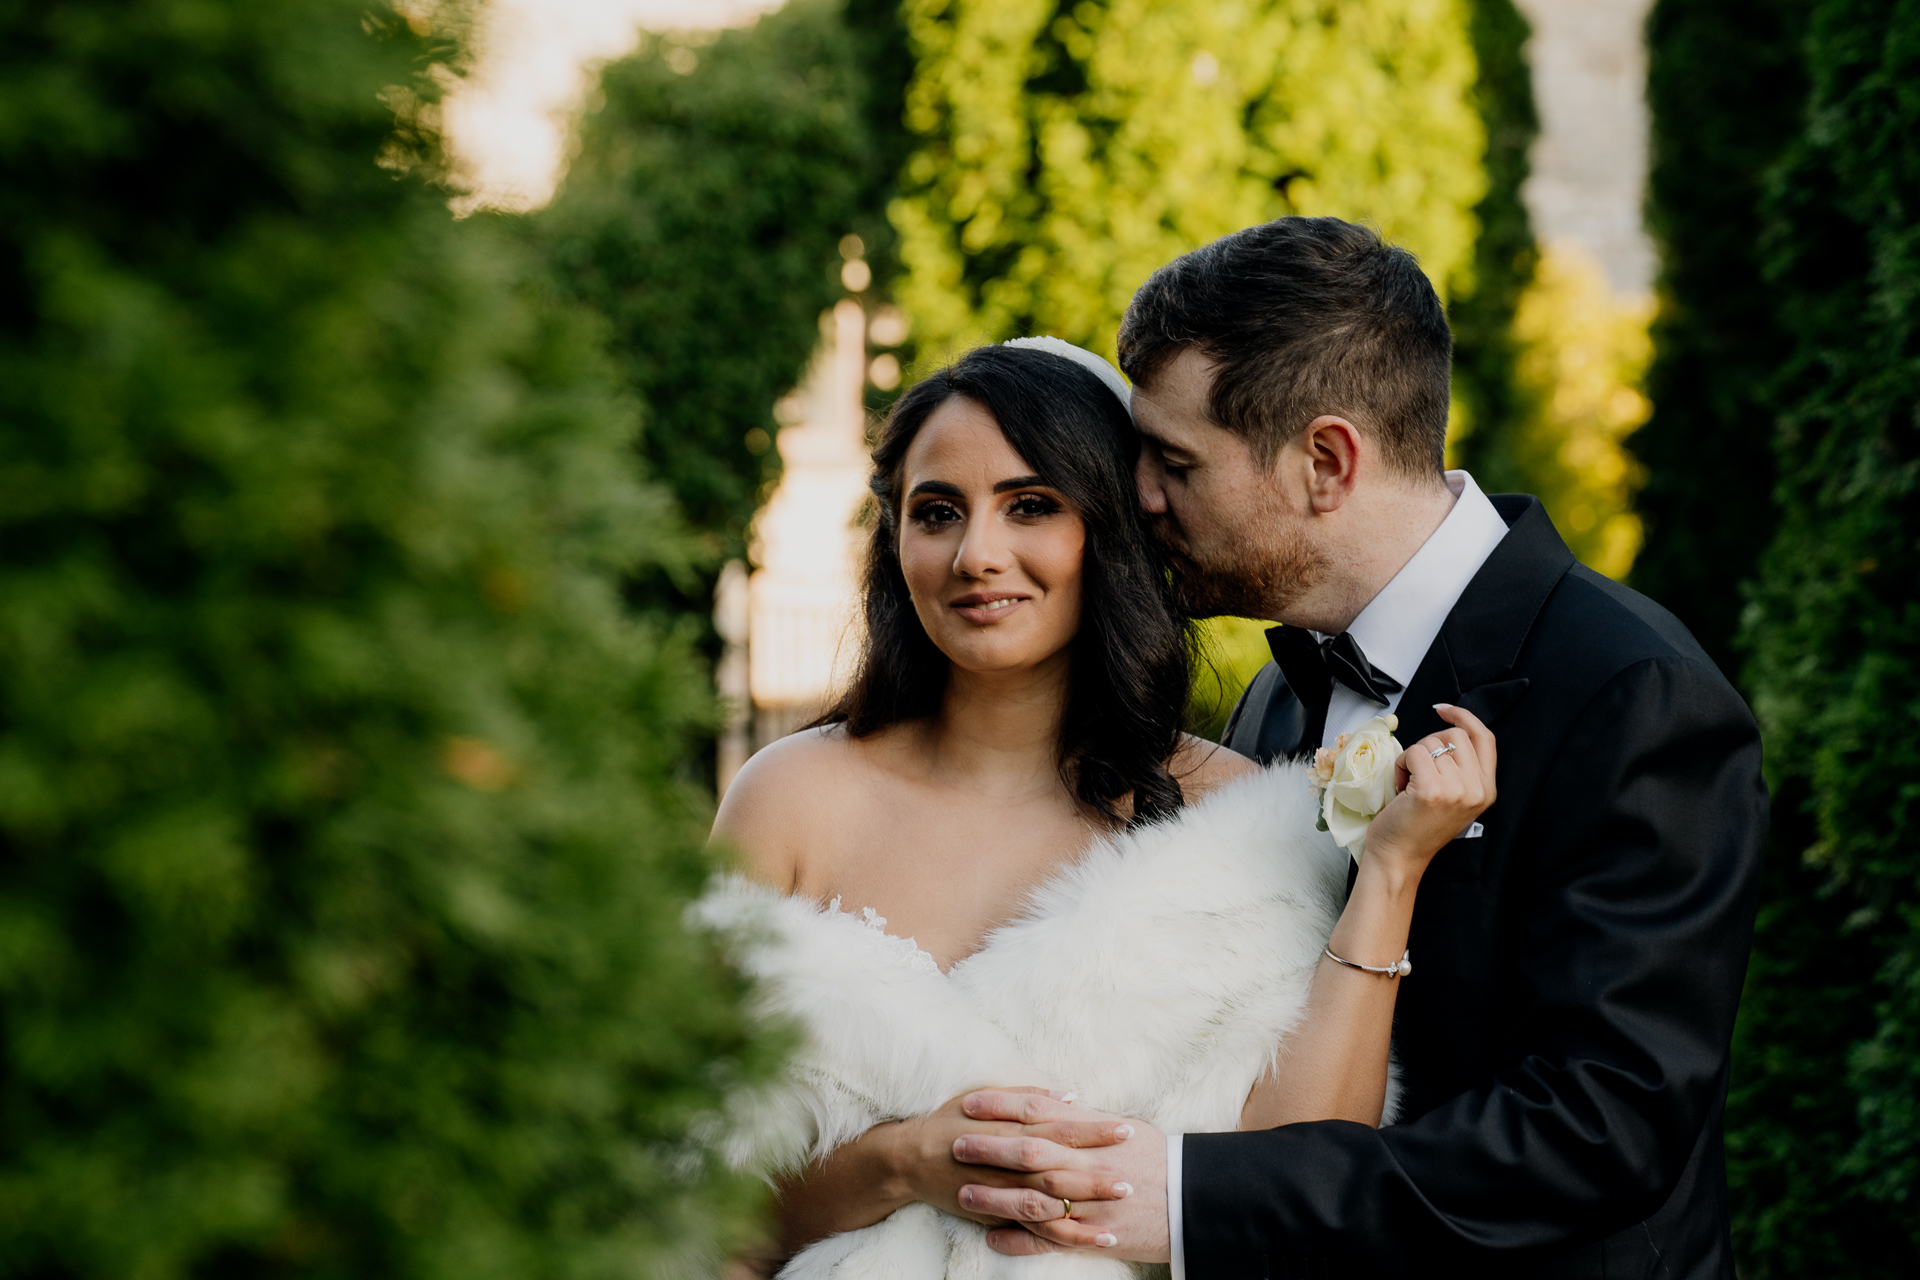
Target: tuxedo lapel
[1436, 681]
[1491, 702]
[1483, 635]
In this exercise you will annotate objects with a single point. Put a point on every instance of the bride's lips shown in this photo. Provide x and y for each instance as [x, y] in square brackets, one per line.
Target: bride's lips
[988, 606]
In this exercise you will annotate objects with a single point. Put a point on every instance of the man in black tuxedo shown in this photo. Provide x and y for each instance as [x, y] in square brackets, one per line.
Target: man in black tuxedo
[1579, 952]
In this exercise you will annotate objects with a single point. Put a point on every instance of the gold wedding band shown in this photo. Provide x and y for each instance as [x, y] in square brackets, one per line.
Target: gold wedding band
[1440, 751]
[1068, 1211]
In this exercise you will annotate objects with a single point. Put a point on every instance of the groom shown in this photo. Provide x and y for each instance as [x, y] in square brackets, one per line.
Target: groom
[1578, 954]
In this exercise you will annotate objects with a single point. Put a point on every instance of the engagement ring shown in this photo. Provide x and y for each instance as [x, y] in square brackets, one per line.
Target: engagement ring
[1437, 752]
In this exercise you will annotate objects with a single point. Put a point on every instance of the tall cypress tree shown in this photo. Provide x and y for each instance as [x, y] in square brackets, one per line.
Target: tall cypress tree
[1782, 459]
[1726, 86]
[341, 856]
[1491, 402]
[1727, 92]
[1834, 621]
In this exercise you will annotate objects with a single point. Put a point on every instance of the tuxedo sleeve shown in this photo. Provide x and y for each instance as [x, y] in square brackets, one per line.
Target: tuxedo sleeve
[1632, 913]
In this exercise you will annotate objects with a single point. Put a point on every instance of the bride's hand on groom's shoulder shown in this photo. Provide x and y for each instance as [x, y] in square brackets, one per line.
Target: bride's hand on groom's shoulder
[1109, 1171]
[927, 1164]
[1444, 781]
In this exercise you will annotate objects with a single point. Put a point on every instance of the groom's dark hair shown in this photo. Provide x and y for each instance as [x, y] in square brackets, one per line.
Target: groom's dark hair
[1303, 317]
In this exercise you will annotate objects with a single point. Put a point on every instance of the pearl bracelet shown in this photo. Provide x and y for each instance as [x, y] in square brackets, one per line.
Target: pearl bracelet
[1398, 970]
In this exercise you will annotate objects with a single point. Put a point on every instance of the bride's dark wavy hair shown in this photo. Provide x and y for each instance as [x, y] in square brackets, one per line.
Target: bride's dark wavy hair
[1130, 659]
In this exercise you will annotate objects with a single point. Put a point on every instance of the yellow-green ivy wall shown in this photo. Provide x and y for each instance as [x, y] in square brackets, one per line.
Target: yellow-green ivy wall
[1063, 152]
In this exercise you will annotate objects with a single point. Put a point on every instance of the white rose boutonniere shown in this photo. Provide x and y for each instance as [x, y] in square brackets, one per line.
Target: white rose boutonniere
[1354, 780]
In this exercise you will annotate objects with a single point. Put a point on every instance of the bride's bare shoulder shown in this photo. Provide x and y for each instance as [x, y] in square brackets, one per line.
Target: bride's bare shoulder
[1200, 766]
[782, 797]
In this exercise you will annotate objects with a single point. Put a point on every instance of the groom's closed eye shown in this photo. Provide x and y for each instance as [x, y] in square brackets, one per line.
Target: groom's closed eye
[1172, 460]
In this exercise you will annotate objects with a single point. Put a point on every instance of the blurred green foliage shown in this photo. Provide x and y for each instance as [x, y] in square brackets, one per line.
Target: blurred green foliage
[1726, 83]
[1783, 452]
[341, 855]
[1228, 653]
[1581, 357]
[702, 219]
[1548, 362]
[1066, 150]
[1487, 400]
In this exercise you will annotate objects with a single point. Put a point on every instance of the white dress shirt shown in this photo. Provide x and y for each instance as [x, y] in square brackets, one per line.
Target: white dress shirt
[1395, 631]
[1400, 624]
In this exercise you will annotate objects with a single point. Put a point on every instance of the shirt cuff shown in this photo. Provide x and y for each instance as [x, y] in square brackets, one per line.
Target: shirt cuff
[1176, 1235]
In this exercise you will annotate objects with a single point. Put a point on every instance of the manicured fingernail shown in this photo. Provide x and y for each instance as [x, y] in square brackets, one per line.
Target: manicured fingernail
[1443, 706]
[970, 1103]
[1058, 1096]
[966, 1196]
[959, 1148]
[1106, 1241]
[1121, 1190]
[1123, 1131]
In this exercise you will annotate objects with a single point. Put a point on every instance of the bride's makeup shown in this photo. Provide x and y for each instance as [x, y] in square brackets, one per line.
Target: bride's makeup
[991, 553]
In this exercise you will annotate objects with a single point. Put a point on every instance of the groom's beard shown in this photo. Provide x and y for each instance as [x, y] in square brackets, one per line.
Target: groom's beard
[1246, 580]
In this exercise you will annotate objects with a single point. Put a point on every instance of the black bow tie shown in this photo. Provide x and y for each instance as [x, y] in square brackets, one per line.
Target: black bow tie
[1311, 666]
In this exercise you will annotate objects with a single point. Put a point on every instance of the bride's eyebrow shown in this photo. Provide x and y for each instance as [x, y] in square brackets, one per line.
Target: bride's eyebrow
[940, 487]
[1020, 482]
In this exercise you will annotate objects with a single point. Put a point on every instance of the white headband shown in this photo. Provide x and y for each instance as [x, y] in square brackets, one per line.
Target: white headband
[1085, 359]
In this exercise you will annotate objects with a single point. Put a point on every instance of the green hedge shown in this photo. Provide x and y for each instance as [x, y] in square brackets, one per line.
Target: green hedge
[340, 857]
[1783, 452]
[1834, 621]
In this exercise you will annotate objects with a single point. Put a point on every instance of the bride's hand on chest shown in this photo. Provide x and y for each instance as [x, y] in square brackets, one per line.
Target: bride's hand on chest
[1444, 782]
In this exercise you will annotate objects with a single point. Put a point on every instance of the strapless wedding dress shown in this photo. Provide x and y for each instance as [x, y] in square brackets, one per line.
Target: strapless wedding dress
[1157, 977]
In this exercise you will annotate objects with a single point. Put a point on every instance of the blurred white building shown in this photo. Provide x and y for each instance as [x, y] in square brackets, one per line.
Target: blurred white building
[788, 624]
[1589, 181]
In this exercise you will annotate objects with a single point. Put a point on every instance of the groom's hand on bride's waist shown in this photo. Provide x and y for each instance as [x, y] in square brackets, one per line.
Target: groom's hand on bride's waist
[1113, 1170]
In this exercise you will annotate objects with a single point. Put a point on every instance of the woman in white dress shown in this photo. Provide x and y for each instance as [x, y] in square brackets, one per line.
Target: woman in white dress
[1003, 793]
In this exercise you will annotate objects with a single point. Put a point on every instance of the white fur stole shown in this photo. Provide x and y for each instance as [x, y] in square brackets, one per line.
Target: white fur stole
[1157, 977]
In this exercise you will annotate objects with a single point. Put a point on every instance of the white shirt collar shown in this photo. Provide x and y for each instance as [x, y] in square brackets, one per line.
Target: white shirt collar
[1400, 624]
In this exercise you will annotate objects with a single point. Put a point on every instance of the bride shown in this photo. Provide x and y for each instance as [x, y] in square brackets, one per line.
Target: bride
[998, 861]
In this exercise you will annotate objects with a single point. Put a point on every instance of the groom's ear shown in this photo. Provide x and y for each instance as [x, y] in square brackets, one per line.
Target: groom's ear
[1330, 452]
